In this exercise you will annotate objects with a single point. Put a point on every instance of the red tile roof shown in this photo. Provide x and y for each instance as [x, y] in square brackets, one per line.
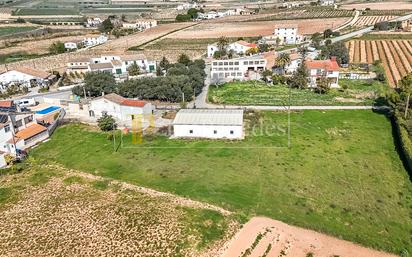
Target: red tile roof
[30, 131]
[328, 65]
[115, 98]
[134, 103]
[6, 104]
[244, 43]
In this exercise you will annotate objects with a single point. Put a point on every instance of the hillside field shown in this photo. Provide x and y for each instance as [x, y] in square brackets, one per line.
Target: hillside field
[341, 175]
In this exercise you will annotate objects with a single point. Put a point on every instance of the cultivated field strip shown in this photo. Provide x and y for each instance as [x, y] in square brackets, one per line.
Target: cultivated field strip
[396, 56]
[371, 20]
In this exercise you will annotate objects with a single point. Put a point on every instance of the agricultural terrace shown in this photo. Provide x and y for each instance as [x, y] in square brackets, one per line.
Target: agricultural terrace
[380, 6]
[47, 210]
[352, 92]
[45, 11]
[395, 55]
[306, 14]
[330, 179]
[4, 31]
[254, 28]
[371, 20]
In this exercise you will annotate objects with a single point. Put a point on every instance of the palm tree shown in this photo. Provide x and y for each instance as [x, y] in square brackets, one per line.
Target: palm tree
[222, 44]
[405, 85]
[282, 61]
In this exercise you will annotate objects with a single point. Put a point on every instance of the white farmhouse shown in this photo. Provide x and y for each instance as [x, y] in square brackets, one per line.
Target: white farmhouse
[327, 2]
[243, 68]
[209, 123]
[93, 22]
[128, 25]
[323, 68]
[94, 41]
[24, 75]
[122, 109]
[117, 65]
[238, 47]
[144, 24]
[288, 34]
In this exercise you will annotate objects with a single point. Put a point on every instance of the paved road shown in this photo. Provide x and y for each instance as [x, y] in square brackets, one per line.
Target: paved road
[367, 29]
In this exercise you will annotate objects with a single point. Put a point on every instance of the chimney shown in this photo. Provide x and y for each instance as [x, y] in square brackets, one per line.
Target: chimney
[333, 58]
[102, 93]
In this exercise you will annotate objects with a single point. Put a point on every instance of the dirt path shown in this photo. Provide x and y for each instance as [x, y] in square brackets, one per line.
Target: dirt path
[286, 240]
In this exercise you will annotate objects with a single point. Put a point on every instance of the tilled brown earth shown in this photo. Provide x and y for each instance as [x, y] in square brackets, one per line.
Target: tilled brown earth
[75, 214]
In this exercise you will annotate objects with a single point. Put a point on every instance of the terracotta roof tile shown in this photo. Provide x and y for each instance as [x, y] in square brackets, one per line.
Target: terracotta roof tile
[6, 104]
[30, 131]
[328, 65]
[133, 103]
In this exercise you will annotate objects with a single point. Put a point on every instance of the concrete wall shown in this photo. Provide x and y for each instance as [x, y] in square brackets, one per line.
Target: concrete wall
[207, 131]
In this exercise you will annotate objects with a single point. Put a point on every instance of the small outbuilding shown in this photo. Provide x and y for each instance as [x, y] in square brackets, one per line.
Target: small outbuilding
[209, 123]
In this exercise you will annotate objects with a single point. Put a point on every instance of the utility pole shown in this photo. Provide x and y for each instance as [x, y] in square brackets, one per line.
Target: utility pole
[84, 91]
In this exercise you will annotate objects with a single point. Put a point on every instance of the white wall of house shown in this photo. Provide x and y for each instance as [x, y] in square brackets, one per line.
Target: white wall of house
[129, 25]
[208, 131]
[223, 70]
[128, 111]
[317, 73]
[211, 50]
[100, 106]
[29, 142]
[119, 112]
[93, 41]
[288, 36]
[16, 76]
[70, 45]
[3, 161]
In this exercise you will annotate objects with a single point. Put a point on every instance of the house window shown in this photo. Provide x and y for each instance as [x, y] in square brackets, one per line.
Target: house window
[28, 119]
[232, 132]
[191, 131]
[215, 132]
[7, 128]
[19, 123]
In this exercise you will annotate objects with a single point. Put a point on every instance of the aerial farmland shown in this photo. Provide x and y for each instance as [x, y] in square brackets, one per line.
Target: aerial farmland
[206, 128]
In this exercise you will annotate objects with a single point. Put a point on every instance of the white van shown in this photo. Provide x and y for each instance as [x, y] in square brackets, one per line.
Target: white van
[25, 102]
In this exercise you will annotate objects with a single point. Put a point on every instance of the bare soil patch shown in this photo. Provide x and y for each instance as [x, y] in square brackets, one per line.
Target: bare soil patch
[253, 29]
[55, 211]
[263, 235]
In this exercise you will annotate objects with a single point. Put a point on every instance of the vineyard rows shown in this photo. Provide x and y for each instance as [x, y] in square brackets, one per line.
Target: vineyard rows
[302, 14]
[396, 56]
[371, 20]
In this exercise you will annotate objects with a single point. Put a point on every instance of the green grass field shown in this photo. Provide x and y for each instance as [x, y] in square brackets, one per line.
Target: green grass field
[45, 11]
[258, 93]
[4, 31]
[341, 175]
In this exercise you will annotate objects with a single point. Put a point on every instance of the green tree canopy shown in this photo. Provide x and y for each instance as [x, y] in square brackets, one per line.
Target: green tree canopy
[57, 48]
[96, 83]
[106, 26]
[106, 123]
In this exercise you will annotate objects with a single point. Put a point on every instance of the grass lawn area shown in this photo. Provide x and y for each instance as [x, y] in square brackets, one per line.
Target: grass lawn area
[357, 92]
[11, 30]
[342, 174]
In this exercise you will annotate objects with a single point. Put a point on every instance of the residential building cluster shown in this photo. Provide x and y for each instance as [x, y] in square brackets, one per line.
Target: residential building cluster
[140, 24]
[240, 47]
[86, 42]
[116, 65]
[283, 34]
[23, 128]
[24, 76]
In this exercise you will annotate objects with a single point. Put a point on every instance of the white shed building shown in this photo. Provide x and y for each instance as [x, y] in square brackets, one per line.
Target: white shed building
[209, 123]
